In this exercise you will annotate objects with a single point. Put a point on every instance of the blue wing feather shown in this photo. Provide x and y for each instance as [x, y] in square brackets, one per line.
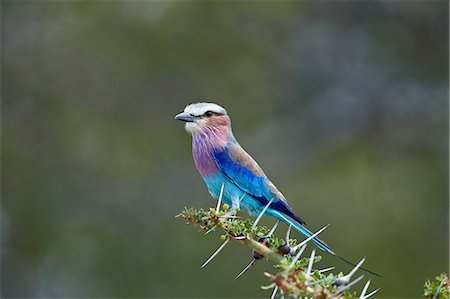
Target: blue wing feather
[261, 189]
[256, 186]
[242, 176]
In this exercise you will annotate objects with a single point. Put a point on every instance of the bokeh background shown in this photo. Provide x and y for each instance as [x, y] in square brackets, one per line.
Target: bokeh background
[344, 104]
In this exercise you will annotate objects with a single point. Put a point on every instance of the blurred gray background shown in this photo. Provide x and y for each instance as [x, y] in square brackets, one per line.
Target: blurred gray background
[344, 104]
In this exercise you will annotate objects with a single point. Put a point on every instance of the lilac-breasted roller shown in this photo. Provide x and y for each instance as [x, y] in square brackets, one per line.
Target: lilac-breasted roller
[222, 161]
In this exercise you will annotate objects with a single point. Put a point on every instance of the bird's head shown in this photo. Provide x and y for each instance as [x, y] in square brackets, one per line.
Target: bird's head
[201, 117]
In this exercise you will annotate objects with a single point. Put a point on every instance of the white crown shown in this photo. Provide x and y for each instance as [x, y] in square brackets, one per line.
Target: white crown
[198, 109]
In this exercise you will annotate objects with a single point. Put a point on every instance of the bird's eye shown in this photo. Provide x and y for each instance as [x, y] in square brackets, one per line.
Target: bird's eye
[209, 113]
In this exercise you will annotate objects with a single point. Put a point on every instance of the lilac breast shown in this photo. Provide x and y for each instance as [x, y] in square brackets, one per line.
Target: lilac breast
[202, 146]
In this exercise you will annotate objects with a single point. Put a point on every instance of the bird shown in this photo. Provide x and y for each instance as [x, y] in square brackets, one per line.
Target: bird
[226, 167]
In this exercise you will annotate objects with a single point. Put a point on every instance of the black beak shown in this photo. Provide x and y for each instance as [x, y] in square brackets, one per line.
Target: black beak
[183, 116]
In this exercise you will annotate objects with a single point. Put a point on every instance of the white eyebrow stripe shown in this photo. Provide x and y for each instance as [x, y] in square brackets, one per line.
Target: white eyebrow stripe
[198, 109]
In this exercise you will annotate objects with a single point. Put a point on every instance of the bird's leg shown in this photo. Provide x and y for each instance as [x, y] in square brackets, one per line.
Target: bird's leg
[236, 204]
[235, 207]
[228, 213]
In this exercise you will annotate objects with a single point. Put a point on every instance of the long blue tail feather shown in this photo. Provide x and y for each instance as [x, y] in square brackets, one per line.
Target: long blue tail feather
[302, 230]
[307, 233]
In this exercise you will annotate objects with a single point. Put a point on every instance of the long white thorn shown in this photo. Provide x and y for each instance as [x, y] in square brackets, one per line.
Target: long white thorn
[273, 229]
[210, 230]
[326, 270]
[297, 257]
[371, 293]
[288, 233]
[346, 279]
[356, 268]
[215, 253]
[219, 201]
[310, 238]
[245, 269]
[274, 293]
[343, 288]
[268, 287]
[261, 214]
[282, 294]
[311, 261]
[364, 290]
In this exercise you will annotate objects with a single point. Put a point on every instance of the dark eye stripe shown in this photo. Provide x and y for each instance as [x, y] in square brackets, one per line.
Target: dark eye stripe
[211, 113]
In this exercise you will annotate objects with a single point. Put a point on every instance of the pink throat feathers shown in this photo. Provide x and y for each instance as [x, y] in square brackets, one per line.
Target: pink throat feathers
[203, 144]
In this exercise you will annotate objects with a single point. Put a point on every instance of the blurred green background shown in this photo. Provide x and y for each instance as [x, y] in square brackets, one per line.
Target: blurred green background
[344, 104]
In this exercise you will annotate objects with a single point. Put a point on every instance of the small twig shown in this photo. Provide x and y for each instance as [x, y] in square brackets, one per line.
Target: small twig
[262, 249]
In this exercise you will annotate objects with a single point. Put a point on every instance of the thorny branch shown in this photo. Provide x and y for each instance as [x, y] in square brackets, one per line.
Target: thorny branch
[295, 276]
